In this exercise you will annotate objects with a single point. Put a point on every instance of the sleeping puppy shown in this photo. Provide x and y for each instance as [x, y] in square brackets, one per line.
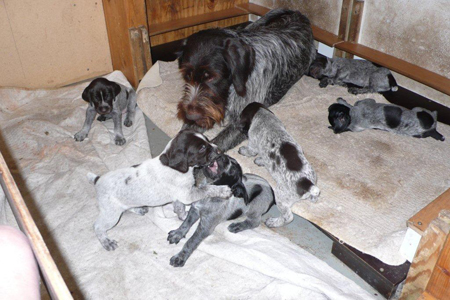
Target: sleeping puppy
[282, 156]
[109, 100]
[360, 76]
[155, 182]
[367, 114]
[252, 197]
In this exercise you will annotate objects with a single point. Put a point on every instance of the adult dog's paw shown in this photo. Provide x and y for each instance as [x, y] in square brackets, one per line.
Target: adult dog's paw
[178, 260]
[175, 236]
[119, 140]
[80, 136]
[109, 245]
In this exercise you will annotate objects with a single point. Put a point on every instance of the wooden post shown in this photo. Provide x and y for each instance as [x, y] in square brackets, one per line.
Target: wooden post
[430, 249]
[120, 17]
[350, 24]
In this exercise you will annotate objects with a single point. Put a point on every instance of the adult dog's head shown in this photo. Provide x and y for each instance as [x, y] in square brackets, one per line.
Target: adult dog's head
[211, 62]
[225, 170]
[189, 149]
[339, 117]
[101, 93]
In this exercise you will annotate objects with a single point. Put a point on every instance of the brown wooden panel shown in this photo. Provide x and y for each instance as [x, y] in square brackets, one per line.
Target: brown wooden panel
[344, 24]
[398, 65]
[184, 33]
[420, 221]
[439, 283]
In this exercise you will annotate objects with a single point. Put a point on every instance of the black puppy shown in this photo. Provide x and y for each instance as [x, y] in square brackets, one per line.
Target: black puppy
[252, 197]
[109, 99]
[367, 114]
[226, 69]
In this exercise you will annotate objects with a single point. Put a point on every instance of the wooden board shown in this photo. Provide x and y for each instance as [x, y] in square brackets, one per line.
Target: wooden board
[53, 280]
[439, 283]
[420, 221]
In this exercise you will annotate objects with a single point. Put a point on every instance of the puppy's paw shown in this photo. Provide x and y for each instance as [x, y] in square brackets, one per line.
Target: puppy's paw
[109, 245]
[178, 260]
[353, 90]
[323, 83]
[237, 227]
[119, 140]
[128, 122]
[242, 150]
[259, 161]
[275, 222]
[180, 209]
[140, 210]
[175, 236]
[80, 136]
[101, 118]
[224, 191]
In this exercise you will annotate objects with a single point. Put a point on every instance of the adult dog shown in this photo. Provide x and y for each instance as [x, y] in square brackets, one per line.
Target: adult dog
[227, 69]
[108, 99]
[155, 182]
[367, 114]
[252, 198]
[282, 156]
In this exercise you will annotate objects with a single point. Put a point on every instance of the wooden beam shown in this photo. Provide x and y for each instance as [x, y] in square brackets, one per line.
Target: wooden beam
[439, 283]
[420, 221]
[344, 24]
[52, 278]
[431, 79]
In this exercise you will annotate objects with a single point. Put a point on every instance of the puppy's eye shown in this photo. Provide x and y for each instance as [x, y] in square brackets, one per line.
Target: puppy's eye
[202, 149]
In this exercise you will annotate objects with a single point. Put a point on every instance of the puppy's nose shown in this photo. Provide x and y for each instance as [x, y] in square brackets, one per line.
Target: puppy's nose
[103, 109]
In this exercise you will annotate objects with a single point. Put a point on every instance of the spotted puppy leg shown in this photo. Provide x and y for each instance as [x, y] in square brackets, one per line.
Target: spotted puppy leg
[284, 204]
[247, 151]
[180, 209]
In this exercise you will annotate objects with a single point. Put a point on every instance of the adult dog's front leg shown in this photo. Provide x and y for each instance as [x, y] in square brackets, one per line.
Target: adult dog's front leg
[118, 134]
[208, 191]
[90, 116]
[131, 109]
[229, 138]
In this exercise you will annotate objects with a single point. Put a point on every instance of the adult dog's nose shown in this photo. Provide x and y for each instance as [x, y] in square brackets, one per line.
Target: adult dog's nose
[193, 116]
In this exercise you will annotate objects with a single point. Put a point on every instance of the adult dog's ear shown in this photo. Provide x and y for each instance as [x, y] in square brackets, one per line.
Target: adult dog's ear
[175, 161]
[240, 58]
[239, 191]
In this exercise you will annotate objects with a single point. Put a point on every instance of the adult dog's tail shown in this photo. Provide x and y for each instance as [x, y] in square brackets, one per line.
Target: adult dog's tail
[92, 178]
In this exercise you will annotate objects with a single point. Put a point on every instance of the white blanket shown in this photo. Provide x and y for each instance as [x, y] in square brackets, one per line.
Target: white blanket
[37, 129]
[371, 182]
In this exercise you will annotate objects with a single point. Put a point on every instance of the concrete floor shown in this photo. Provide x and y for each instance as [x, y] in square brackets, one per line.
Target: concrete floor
[300, 231]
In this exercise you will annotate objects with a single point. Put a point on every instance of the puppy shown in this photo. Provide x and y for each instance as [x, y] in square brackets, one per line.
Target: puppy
[109, 100]
[360, 76]
[252, 198]
[226, 69]
[155, 182]
[282, 156]
[367, 114]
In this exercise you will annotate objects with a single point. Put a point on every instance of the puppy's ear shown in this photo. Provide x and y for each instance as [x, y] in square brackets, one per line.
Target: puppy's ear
[86, 96]
[175, 161]
[239, 191]
[116, 89]
[240, 59]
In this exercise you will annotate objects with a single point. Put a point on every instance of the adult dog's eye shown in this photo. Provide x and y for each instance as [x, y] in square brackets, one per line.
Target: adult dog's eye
[207, 76]
[202, 149]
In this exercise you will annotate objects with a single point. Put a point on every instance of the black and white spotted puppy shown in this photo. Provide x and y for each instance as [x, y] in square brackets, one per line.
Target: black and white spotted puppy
[252, 198]
[155, 182]
[282, 156]
[360, 76]
[367, 114]
[108, 99]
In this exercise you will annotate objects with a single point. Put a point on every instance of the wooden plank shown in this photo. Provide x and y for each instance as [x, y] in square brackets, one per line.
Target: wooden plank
[355, 21]
[439, 283]
[254, 9]
[137, 53]
[426, 256]
[146, 49]
[420, 221]
[120, 15]
[155, 29]
[426, 296]
[344, 24]
[52, 278]
[431, 79]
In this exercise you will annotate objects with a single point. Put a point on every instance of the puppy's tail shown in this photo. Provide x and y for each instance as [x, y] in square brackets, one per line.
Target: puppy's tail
[92, 178]
[392, 83]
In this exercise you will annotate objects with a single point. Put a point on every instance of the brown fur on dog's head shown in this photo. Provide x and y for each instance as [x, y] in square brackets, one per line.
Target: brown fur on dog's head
[211, 62]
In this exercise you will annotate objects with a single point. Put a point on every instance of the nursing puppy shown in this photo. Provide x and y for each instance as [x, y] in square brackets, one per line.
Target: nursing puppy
[360, 76]
[155, 182]
[252, 197]
[282, 156]
[108, 99]
[226, 69]
[367, 114]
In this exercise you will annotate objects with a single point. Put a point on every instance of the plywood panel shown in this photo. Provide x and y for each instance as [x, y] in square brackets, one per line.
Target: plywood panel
[49, 43]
